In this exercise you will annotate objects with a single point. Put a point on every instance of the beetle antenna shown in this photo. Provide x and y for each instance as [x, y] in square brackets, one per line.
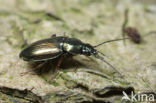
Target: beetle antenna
[103, 54]
[110, 41]
[101, 58]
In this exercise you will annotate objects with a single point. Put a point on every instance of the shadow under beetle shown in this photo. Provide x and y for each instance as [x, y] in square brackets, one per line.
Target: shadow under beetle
[59, 46]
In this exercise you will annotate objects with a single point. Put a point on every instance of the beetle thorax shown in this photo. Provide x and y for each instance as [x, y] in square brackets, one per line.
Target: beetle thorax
[67, 47]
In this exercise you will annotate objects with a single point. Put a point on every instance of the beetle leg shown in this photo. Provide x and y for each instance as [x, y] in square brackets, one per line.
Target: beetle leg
[75, 63]
[30, 71]
[59, 63]
[76, 67]
[40, 65]
[53, 35]
[58, 67]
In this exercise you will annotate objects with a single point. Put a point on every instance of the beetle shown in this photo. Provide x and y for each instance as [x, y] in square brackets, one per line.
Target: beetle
[60, 46]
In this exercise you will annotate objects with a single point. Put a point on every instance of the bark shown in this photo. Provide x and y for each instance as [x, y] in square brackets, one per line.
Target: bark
[80, 79]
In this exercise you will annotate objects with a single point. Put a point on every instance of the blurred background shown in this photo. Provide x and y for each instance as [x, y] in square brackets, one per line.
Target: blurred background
[92, 21]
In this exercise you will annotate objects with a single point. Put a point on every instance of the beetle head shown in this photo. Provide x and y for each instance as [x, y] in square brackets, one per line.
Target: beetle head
[89, 50]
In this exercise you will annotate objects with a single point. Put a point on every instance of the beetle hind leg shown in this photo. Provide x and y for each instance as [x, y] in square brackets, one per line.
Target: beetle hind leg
[34, 69]
[56, 72]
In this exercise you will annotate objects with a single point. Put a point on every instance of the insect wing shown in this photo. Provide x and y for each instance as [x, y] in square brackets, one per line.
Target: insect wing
[41, 51]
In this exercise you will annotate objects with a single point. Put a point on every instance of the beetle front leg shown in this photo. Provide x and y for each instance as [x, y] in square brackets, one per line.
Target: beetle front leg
[75, 64]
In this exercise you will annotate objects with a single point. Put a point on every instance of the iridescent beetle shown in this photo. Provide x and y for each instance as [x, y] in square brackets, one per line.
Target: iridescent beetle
[58, 46]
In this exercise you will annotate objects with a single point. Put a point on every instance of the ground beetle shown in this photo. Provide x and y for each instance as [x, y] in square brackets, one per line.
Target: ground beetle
[58, 46]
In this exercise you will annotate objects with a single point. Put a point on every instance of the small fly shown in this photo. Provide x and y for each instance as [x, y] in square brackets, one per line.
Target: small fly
[60, 46]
